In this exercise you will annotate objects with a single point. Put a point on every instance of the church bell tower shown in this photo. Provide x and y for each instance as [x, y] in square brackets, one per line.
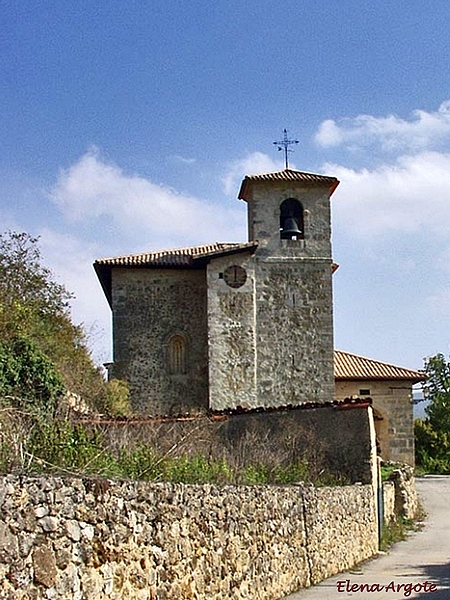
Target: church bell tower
[289, 220]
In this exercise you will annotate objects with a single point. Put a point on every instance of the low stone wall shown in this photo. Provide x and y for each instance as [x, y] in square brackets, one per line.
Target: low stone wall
[83, 538]
[389, 515]
[400, 496]
[406, 501]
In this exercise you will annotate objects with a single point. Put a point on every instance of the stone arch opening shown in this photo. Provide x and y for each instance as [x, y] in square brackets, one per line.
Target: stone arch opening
[382, 434]
[291, 220]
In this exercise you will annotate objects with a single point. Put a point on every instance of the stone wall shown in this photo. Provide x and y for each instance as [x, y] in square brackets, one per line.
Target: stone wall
[335, 438]
[293, 287]
[406, 500]
[294, 330]
[400, 496]
[264, 218]
[271, 339]
[329, 547]
[82, 538]
[150, 306]
[389, 515]
[231, 335]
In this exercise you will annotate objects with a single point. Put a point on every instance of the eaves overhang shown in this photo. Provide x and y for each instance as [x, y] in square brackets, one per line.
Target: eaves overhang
[286, 176]
[352, 367]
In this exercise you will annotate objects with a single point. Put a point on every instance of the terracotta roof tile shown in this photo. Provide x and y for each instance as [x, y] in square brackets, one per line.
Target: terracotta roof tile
[286, 175]
[176, 257]
[184, 258]
[353, 367]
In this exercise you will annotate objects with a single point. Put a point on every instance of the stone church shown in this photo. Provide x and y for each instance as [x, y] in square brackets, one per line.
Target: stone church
[236, 325]
[223, 325]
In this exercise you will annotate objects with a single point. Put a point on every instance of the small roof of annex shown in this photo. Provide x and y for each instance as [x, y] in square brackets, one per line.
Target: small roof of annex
[357, 368]
[287, 175]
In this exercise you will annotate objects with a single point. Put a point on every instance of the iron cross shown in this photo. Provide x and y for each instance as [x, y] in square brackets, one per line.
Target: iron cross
[284, 144]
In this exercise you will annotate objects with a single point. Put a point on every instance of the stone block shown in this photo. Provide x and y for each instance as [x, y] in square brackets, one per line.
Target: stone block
[44, 566]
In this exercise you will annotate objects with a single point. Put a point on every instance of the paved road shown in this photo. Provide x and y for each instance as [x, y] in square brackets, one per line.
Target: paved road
[423, 557]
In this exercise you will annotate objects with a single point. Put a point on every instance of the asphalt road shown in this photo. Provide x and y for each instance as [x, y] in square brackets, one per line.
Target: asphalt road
[421, 563]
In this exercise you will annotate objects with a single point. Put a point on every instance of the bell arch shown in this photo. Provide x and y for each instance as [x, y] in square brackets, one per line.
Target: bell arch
[291, 220]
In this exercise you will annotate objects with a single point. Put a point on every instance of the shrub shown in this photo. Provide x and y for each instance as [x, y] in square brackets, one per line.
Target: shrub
[117, 398]
[28, 379]
[56, 446]
[141, 462]
[197, 469]
[397, 531]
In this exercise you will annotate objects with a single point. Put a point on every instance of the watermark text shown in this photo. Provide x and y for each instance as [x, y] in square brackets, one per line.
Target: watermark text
[405, 588]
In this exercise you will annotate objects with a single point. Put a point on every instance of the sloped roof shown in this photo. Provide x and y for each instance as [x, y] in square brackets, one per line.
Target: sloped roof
[175, 257]
[185, 258]
[353, 367]
[309, 179]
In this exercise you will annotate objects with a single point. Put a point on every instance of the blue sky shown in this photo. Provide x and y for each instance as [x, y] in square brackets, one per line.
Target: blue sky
[128, 126]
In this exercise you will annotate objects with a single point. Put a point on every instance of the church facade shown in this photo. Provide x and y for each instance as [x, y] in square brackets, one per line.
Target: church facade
[223, 326]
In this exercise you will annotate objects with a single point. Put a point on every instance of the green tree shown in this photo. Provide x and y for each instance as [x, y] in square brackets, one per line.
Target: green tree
[432, 448]
[29, 298]
[34, 310]
[437, 385]
[432, 435]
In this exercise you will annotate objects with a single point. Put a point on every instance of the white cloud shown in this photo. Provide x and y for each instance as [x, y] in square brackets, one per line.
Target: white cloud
[422, 131]
[184, 160]
[100, 194]
[329, 134]
[410, 195]
[257, 162]
[94, 190]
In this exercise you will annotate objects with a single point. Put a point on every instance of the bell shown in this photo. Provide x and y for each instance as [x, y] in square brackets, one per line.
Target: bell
[290, 229]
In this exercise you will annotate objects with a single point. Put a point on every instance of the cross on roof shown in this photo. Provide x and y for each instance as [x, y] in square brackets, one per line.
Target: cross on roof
[284, 144]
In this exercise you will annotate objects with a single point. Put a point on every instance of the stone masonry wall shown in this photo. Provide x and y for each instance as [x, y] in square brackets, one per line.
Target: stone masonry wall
[82, 538]
[294, 331]
[270, 340]
[406, 500]
[150, 306]
[389, 515]
[329, 549]
[399, 495]
[231, 336]
[264, 219]
[294, 304]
